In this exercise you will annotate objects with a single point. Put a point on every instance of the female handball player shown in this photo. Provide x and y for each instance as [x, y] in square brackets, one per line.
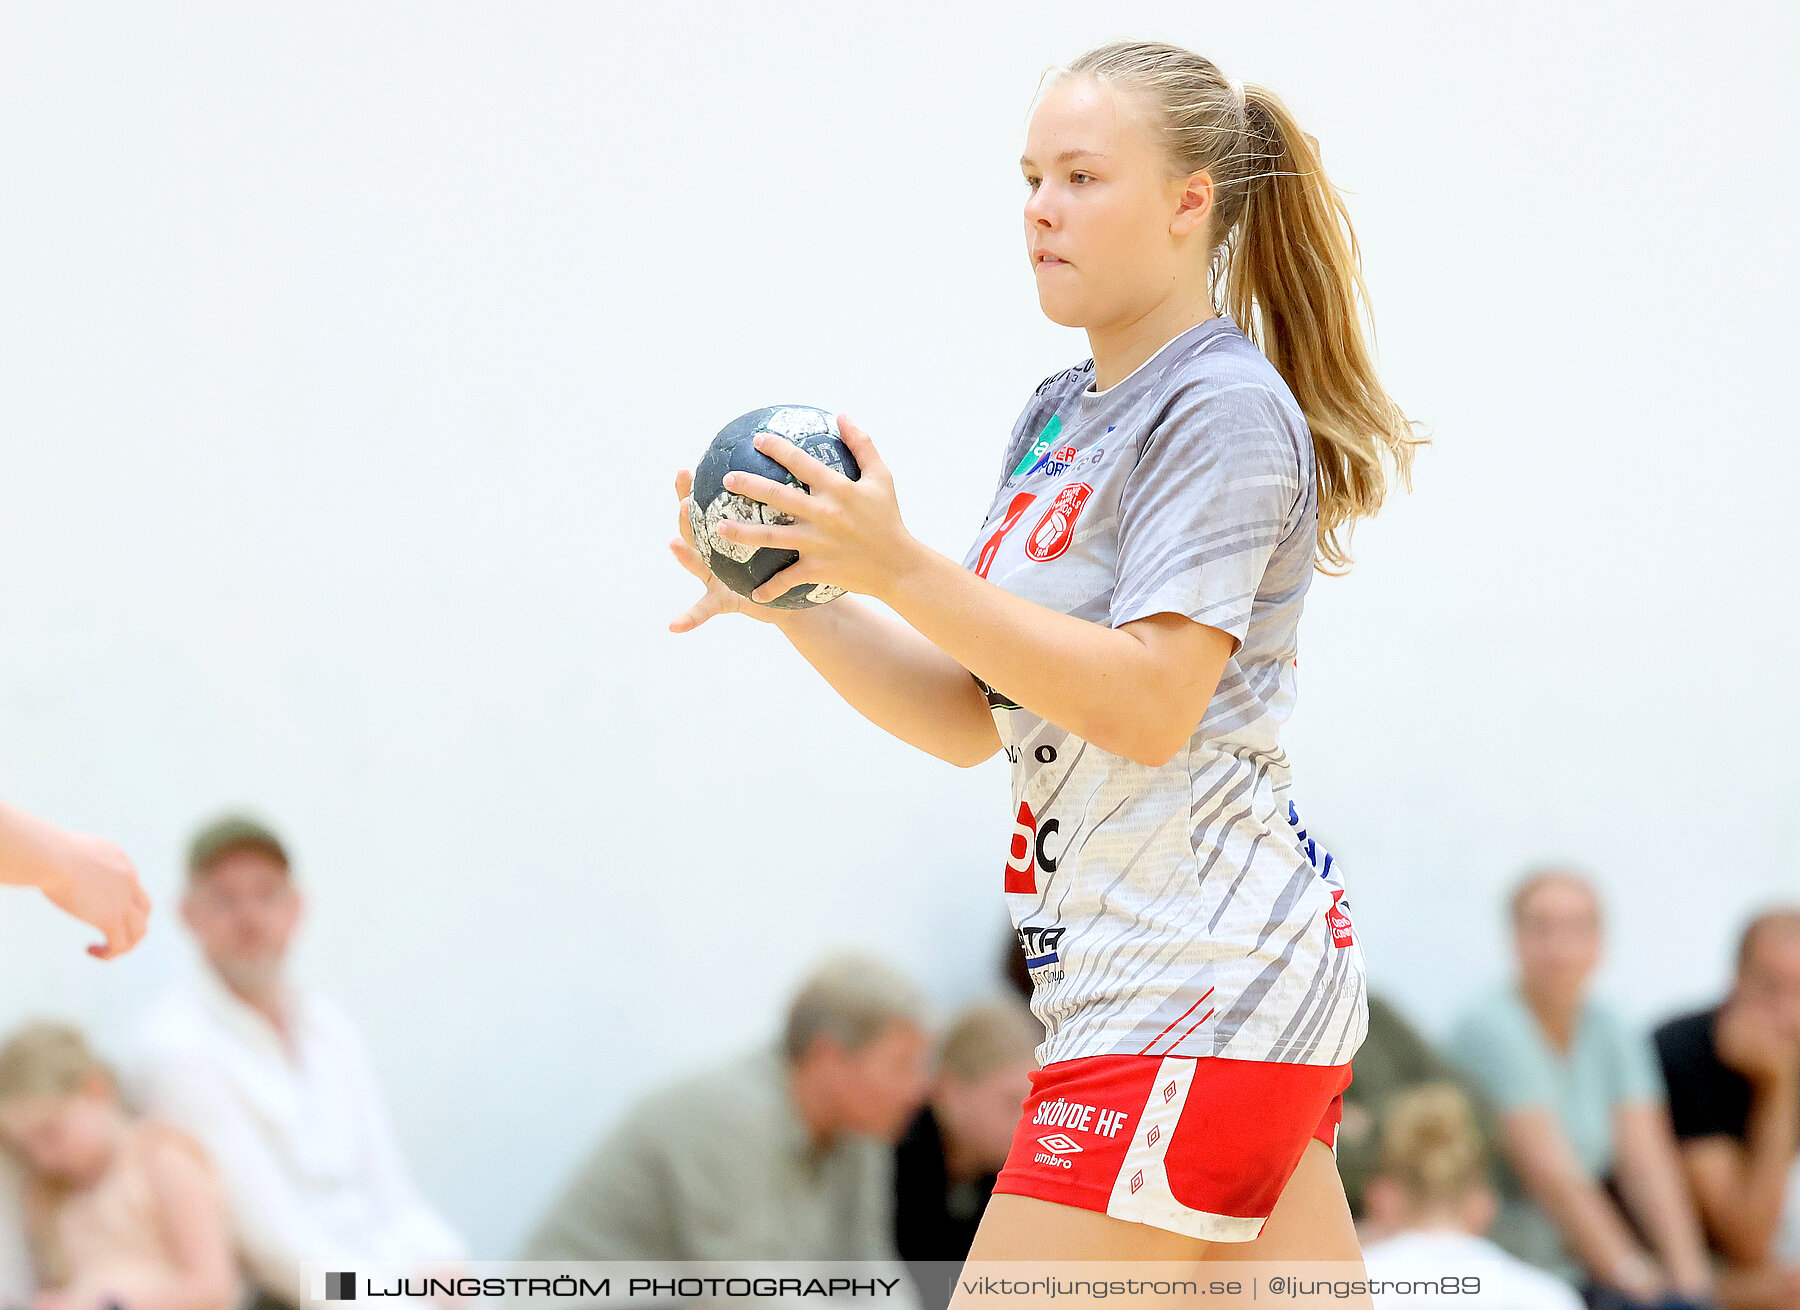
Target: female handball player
[1124, 628]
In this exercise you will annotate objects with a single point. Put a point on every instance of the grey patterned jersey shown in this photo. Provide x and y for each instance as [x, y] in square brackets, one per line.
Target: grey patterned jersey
[1178, 910]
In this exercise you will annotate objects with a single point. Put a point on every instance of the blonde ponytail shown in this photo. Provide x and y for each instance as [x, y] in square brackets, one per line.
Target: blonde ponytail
[1287, 262]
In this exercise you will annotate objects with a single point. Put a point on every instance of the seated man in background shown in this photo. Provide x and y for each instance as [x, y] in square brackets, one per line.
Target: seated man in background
[782, 1153]
[945, 1166]
[272, 1078]
[1430, 1196]
[1733, 1073]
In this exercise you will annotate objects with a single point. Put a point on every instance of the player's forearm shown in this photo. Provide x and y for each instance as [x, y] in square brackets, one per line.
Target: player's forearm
[1650, 1181]
[28, 850]
[1590, 1224]
[1097, 682]
[896, 679]
[1771, 1137]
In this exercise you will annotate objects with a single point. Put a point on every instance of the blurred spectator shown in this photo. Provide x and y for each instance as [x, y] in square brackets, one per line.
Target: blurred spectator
[117, 1211]
[17, 1282]
[1431, 1195]
[1733, 1073]
[1393, 1058]
[1581, 1111]
[85, 876]
[273, 1079]
[783, 1153]
[945, 1166]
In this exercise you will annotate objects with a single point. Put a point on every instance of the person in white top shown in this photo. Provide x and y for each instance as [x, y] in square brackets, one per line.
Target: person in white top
[1433, 1202]
[272, 1077]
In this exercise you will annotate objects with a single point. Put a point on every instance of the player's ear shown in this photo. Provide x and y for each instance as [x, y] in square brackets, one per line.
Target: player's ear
[1194, 205]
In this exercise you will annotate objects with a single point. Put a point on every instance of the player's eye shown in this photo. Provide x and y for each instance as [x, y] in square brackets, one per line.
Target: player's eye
[1077, 175]
[1032, 183]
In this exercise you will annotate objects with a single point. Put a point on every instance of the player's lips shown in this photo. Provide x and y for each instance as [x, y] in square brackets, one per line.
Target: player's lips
[1044, 259]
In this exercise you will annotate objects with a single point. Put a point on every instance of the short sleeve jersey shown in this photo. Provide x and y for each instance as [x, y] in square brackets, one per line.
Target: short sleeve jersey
[1179, 909]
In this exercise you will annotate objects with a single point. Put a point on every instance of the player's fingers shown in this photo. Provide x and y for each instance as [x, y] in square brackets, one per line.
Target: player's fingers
[112, 946]
[777, 495]
[812, 471]
[684, 483]
[781, 536]
[690, 559]
[860, 444]
[684, 521]
[794, 575]
[139, 919]
[694, 615]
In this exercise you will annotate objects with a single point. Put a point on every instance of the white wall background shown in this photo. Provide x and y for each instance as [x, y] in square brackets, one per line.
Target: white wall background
[349, 351]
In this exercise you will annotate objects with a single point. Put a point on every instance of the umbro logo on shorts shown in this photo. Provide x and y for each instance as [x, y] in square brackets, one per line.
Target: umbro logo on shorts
[1060, 1143]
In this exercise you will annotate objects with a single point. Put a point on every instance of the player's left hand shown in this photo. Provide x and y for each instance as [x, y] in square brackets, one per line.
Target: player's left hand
[848, 533]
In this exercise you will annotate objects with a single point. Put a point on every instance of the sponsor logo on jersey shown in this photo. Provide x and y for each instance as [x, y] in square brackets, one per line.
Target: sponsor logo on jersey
[1026, 855]
[1338, 916]
[1083, 1118]
[1308, 847]
[1045, 443]
[1014, 512]
[1041, 960]
[1056, 462]
[997, 700]
[1338, 919]
[1053, 533]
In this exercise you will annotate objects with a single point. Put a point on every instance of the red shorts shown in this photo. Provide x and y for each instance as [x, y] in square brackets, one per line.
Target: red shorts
[1201, 1146]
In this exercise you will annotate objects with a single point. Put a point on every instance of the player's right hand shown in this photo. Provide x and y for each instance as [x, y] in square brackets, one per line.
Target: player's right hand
[719, 599]
[96, 882]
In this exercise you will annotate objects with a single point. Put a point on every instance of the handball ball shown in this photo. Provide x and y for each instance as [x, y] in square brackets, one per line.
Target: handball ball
[745, 568]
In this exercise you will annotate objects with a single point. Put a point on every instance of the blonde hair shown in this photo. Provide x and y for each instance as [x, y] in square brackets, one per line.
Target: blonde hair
[987, 1036]
[1431, 1145]
[1286, 257]
[48, 1059]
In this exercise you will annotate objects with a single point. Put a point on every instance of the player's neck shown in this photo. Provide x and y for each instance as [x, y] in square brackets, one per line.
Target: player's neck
[1120, 348]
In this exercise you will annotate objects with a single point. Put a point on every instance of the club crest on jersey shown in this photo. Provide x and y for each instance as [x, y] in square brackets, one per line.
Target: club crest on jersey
[1053, 533]
[1026, 854]
[1041, 960]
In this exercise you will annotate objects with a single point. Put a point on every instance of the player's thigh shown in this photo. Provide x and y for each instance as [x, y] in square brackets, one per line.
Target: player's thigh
[1025, 1228]
[1025, 1238]
[1310, 1223]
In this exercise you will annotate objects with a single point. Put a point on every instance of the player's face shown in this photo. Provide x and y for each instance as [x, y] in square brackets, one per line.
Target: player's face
[984, 1113]
[883, 1084]
[243, 911]
[1100, 201]
[1558, 935]
[67, 1138]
